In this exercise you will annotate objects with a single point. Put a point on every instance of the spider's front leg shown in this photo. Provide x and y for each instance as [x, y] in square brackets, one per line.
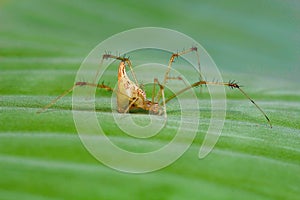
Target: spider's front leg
[77, 84]
[230, 84]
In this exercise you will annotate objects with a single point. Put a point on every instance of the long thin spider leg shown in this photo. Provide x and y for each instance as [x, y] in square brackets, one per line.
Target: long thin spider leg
[175, 55]
[161, 91]
[171, 60]
[229, 84]
[98, 71]
[164, 100]
[178, 78]
[56, 99]
[153, 92]
[102, 86]
[129, 106]
[242, 91]
[198, 61]
[199, 67]
[131, 69]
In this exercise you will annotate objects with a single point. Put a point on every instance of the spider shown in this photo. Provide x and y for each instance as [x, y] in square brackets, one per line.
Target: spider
[131, 97]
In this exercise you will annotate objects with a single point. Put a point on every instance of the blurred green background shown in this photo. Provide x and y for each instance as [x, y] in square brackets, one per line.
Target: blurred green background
[42, 44]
